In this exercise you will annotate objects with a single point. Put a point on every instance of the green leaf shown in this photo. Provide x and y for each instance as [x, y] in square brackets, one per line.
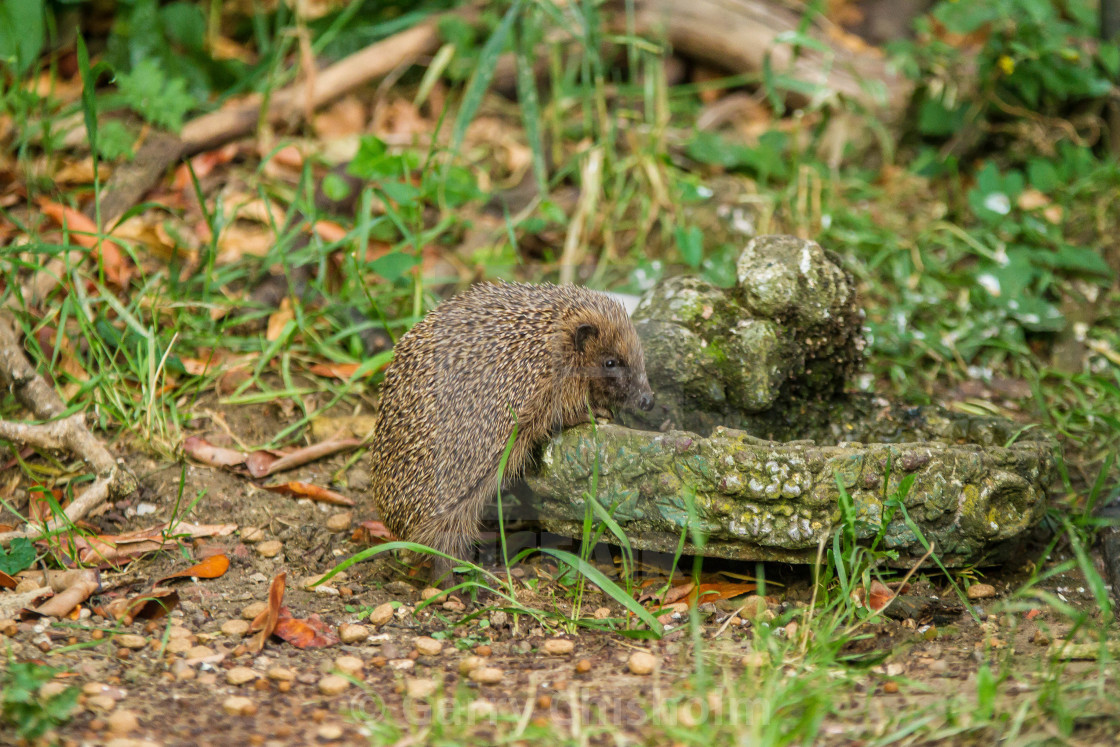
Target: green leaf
[184, 24]
[402, 193]
[1042, 175]
[483, 73]
[335, 187]
[19, 556]
[1109, 56]
[1077, 259]
[115, 141]
[159, 100]
[393, 265]
[22, 33]
[690, 243]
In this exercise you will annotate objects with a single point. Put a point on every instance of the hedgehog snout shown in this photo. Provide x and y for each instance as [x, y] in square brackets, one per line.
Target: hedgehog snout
[643, 395]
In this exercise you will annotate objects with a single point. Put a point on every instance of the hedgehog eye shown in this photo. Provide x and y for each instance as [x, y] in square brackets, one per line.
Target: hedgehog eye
[610, 363]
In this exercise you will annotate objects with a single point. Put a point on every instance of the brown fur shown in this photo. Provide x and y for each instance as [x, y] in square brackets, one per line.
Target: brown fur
[459, 379]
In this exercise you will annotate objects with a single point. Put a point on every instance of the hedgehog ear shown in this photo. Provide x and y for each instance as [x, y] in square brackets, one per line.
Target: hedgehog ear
[584, 332]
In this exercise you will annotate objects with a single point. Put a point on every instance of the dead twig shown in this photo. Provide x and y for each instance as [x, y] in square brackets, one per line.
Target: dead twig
[67, 434]
[131, 181]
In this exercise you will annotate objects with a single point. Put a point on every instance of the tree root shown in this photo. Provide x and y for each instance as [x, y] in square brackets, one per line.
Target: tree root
[67, 434]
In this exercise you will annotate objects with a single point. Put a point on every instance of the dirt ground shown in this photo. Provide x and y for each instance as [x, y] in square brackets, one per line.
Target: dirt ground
[178, 678]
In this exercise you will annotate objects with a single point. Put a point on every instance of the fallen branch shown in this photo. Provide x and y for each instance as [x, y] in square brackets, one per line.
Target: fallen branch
[67, 434]
[132, 180]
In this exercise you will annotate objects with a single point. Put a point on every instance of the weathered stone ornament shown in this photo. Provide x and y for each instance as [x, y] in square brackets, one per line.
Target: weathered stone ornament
[755, 436]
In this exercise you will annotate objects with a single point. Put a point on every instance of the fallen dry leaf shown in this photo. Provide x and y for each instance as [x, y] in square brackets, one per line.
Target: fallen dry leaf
[307, 490]
[60, 605]
[216, 456]
[307, 633]
[308, 454]
[7, 581]
[213, 567]
[151, 605]
[368, 531]
[114, 261]
[267, 620]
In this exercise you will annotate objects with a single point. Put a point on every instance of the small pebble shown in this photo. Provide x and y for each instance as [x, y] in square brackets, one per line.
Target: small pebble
[131, 640]
[123, 721]
[352, 633]
[251, 611]
[239, 705]
[381, 614]
[402, 665]
[487, 675]
[642, 662]
[340, 522]
[249, 535]
[350, 665]
[270, 548]
[427, 646]
[199, 652]
[558, 646]
[52, 689]
[470, 663]
[890, 687]
[481, 709]
[981, 591]
[333, 684]
[583, 666]
[241, 675]
[602, 613]
[483, 650]
[430, 592]
[102, 703]
[281, 674]
[329, 732]
[235, 627]
[419, 688]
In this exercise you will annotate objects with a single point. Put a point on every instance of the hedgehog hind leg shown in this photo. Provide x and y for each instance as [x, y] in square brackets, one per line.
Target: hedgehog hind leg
[452, 533]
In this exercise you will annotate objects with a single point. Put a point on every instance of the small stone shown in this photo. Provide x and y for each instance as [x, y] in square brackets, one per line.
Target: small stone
[753, 606]
[178, 632]
[52, 689]
[250, 535]
[350, 665]
[239, 705]
[486, 675]
[281, 674]
[199, 652]
[102, 703]
[642, 662]
[270, 548]
[499, 619]
[1039, 638]
[352, 633]
[251, 611]
[131, 640]
[483, 650]
[329, 732]
[381, 614]
[602, 613]
[583, 666]
[430, 593]
[454, 605]
[890, 687]
[981, 591]
[340, 522]
[427, 646]
[241, 675]
[235, 627]
[333, 684]
[419, 688]
[123, 721]
[402, 665]
[558, 646]
[470, 663]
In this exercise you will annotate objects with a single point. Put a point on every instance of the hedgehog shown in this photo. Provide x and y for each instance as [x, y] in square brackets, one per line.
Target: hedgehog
[498, 356]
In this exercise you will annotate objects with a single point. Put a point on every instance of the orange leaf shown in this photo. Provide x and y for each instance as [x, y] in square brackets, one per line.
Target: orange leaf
[335, 370]
[309, 633]
[275, 598]
[7, 581]
[212, 567]
[368, 531]
[878, 595]
[307, 490]
[150, 605]
[84, 232]
[216, 456]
